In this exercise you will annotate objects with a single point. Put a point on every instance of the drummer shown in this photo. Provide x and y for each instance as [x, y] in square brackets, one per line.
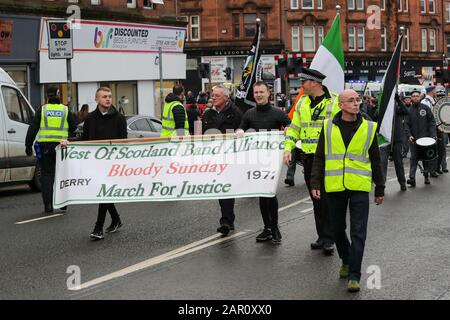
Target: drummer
[420, 124]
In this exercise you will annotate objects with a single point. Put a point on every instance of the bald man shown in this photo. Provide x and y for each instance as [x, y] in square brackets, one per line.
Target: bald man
[346, 159]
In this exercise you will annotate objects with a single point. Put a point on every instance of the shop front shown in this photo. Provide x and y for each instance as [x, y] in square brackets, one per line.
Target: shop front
[19, 54]
[121, 56]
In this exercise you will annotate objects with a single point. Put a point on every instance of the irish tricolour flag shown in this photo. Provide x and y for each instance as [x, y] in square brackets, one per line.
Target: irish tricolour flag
[387, 102]
[329, 59]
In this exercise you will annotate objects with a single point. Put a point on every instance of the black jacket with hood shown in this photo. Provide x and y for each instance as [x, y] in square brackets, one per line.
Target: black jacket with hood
[111, 125]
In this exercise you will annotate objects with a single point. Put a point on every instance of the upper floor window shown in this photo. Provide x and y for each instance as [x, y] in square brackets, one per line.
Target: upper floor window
[194, 28]
[432, 34]
[249, 24]
[383, 39]
[148, 4]
[432, 6]
[309, 39]
[131, 3]
[402, 5]
[96, 2]
[356, 39]
[355, 4]
[424, 41]
[447, 11]
[428, 5]
[295, 39]
[307, 4]
[294, 4]
[383, 4]
[236, 25]
[405, 43]
[320, 36]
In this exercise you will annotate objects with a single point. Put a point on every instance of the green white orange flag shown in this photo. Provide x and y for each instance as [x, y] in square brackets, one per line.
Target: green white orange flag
[329, 59]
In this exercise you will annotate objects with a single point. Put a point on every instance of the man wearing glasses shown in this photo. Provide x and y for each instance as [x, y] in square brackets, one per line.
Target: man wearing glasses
[346, 161]
[420, 124]
[317, 105]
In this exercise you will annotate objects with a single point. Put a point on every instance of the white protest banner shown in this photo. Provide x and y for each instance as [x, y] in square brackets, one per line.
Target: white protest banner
[209, 167]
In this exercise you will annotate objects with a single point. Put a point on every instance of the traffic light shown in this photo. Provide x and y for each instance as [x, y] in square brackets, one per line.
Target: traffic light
[294, 65]
[204, 70]
[282, 68]
[227, 73]
[59, 30]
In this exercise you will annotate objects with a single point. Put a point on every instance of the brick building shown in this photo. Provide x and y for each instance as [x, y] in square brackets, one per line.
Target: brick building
[127, 62]
[300, 26]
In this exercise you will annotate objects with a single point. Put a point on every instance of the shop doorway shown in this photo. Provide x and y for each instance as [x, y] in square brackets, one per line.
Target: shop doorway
[124, 96]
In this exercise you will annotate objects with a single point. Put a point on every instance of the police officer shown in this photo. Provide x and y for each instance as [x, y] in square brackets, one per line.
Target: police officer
[174, 117]
[317, 105]
[346, 159]
[53, 123]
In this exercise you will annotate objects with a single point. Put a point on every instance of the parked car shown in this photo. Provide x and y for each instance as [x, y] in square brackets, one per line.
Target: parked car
[138, 126]
[16, 114]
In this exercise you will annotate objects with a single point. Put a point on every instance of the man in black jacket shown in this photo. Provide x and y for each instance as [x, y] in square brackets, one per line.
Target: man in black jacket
[396, 145]
[223, 117]
[105, 123]
[420, 124]
[265, 117]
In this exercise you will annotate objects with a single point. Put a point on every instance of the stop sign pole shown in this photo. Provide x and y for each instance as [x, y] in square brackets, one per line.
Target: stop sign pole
[60, 46]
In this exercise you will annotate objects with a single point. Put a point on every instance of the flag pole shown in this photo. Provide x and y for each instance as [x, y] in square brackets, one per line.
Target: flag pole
[402, 29]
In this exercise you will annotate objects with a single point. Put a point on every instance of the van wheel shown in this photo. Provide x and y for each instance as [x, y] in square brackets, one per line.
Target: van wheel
[35, 184]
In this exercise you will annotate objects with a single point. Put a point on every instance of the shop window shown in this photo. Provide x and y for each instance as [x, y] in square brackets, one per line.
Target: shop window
[16, 106]
[20, 77]
[124, 96]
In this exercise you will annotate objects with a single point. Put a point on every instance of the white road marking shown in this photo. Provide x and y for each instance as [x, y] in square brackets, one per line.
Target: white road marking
[41, 218]
[293, 204]
[195, 246]
[307, 210]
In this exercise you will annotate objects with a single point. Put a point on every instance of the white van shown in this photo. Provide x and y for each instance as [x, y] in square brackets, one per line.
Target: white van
[405, 90]
[15, 117]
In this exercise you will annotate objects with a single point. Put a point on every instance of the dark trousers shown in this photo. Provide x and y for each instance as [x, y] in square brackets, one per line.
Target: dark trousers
[227, 208]
[398, 161]
[47, 164]
[442, 152]
[427, 165]
[358, 203]
[324, 226]
[102, 208]
[269, 211]
[292, 166]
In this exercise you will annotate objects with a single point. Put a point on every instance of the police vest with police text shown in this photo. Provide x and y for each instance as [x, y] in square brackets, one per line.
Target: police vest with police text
[54, 126]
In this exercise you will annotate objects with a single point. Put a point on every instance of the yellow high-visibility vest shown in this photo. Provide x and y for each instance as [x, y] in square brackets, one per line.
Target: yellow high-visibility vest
[305, 129]
[168, 122]
[348, 168]
[54, 126]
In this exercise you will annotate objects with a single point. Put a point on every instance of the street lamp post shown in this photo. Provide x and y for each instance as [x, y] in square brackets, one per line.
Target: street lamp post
[444, 71]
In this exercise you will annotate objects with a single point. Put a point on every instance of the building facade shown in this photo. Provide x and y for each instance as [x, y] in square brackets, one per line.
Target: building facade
[116, 44]
[221, 31]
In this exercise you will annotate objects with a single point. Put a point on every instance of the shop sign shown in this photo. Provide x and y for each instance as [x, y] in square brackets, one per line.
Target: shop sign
[6, 27]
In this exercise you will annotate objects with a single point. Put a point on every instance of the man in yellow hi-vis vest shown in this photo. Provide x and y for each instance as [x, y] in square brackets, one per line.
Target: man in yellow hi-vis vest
[346, 160]
[174, 117]
[316, 105]
[53, 123]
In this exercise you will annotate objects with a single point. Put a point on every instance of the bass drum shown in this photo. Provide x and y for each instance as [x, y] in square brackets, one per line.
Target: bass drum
[441, 112]
[426, 149]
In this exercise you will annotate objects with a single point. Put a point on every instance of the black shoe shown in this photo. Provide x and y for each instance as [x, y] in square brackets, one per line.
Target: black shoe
[48, 208]
[411, 182]
[289, 182]
[265, 235]
[97, 235]
[434, 174]
[276, 236]
[63, 208]
[317, 245]
[445, 170]
[114, 227]
[224, 229]
[328, 249]
[427, 180]
[403, 187]
[439, 171]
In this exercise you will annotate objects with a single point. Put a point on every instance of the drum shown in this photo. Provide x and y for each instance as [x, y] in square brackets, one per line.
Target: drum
[427, 149]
